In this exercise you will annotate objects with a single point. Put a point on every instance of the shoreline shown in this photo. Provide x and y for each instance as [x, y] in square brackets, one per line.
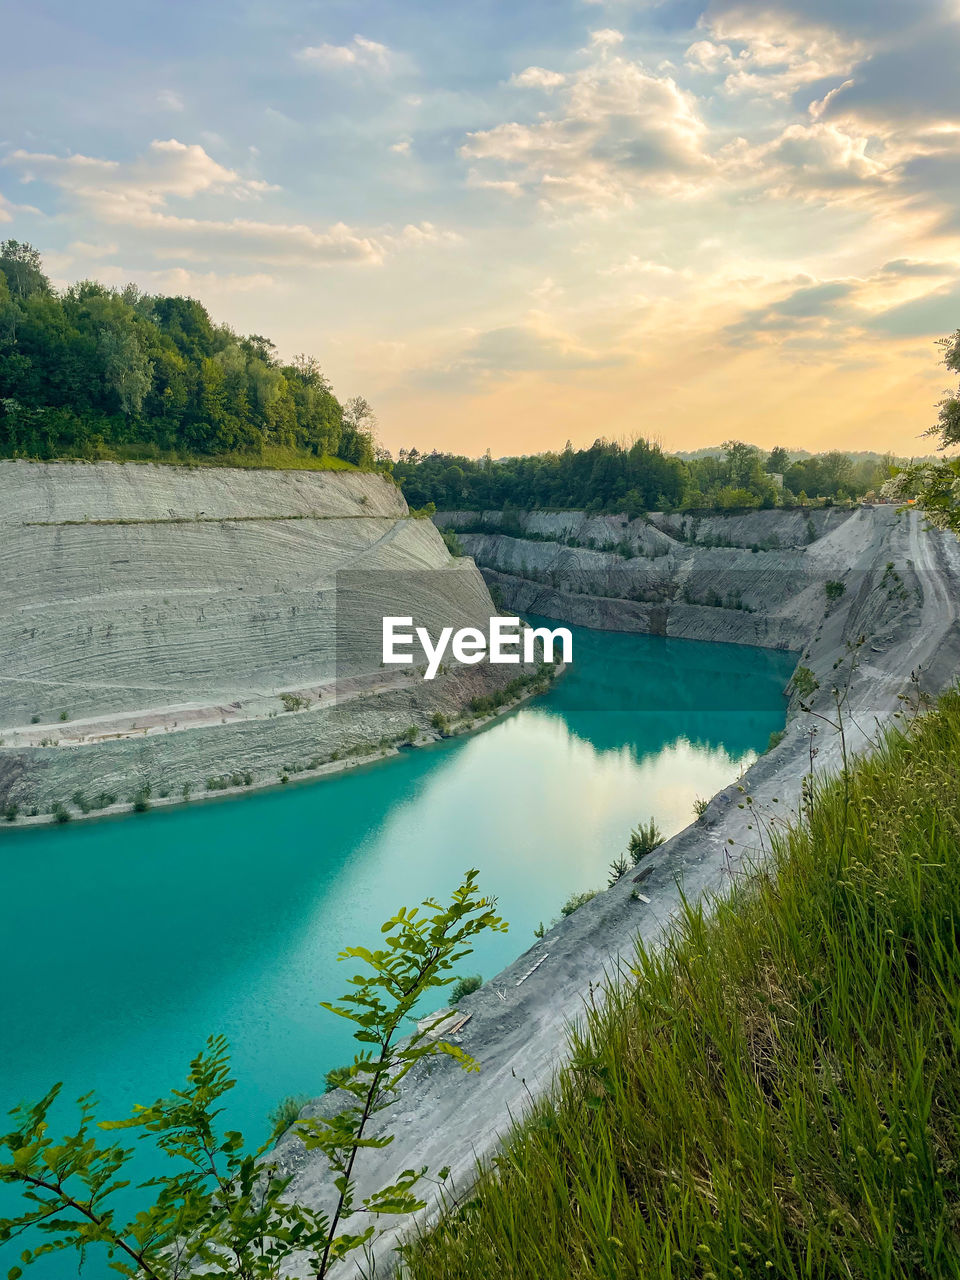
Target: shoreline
[127, 808]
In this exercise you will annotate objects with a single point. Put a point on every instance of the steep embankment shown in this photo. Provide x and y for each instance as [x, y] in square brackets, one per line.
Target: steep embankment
[750, 578]
[162, 627]
[901, 594]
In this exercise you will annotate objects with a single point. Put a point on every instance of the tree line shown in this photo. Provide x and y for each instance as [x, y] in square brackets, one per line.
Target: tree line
[634, 478]
[95, 372]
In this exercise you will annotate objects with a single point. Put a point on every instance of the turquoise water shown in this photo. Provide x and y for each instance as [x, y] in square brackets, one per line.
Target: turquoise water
[126, 942]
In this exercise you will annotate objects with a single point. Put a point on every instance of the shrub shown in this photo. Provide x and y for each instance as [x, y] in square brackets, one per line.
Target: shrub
[10, 811]
[440, 722]
[293, 701]
[833, 590]
[465, 987]
[285, 1113]
[619, 867]
[776, 738]
[141, 801]
[34, 719]
[453, 543]
[805, 682]
[644, 840]
[576, 900]
[700, 806]
[60, 812]
[64, 716]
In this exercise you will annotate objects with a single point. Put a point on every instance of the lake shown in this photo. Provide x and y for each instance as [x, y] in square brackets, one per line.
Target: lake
[128, 941]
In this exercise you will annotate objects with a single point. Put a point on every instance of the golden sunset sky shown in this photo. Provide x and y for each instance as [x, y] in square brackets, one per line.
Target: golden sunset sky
[509, 225]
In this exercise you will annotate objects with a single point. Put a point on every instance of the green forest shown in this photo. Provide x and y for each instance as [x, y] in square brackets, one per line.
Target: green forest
[94, 372]
[636, 478]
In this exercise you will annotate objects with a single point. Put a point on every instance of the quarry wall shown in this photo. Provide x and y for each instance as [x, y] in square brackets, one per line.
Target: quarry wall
[160, 626]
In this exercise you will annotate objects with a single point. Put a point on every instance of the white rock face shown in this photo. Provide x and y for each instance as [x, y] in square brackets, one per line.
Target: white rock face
[754, 578]
[151, 617]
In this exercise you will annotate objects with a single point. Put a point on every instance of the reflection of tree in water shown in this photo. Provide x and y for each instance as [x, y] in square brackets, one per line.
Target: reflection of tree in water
[646, 692]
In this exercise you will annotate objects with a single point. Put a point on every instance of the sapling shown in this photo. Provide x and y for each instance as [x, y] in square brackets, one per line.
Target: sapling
[222, 1212]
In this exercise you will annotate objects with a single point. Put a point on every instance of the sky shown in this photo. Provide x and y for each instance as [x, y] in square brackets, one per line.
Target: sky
[510, 224]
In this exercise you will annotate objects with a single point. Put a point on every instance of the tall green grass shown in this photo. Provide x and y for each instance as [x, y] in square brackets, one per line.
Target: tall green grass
[777, 1092]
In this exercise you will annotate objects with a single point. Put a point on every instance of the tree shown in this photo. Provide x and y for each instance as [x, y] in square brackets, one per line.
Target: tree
[222, 1212]
[936, 485]
[20, 263]
[778, 461]
[643, 840]
[741, 461]
[89, 370]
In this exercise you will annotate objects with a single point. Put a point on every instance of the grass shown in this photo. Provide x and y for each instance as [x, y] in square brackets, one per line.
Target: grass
[465, 987]
[286, 1112]
[270, 458]
[776, 1093]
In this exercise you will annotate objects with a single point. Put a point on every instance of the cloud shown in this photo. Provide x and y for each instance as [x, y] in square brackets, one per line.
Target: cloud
[511, 350]
[618, 131]
[137, 196]
[936, 314]
[360, 54]
[538, 78]
[170, 168]
[814, 158]
[765, 53]
[83, 249]
[806, 313]
[908, 267]
[606, 38]
[169, 100]
[8, 209]
[812, 300]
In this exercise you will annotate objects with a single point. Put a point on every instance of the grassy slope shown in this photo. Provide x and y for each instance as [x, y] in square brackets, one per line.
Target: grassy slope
[271, 458]
[778, 1094]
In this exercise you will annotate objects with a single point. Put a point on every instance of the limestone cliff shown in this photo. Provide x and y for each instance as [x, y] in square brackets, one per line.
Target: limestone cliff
[755, 578]
[162, 626]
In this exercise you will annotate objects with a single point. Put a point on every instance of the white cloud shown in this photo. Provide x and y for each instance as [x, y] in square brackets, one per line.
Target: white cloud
[83, 249]
[169, 100]
[402, 148]
[361, 54]
[618, 131]
[770, 54]
[8, 209]
[136, 196]
[538, 78]
[170, 168]
[607, 38]
[821, 158]
[477, 182]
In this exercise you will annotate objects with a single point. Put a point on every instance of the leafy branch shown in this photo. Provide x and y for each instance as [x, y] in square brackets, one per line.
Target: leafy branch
[223, 1211]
